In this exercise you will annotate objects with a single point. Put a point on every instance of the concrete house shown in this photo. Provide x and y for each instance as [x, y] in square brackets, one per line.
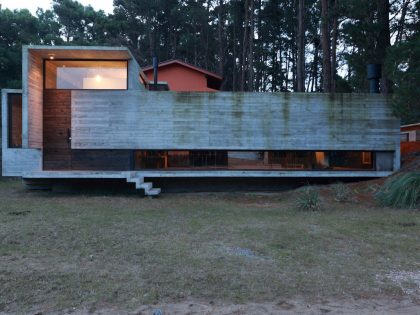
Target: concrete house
[84, 113]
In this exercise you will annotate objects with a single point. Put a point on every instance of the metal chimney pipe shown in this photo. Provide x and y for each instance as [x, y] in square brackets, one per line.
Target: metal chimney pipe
[155, 70]
[373, 75]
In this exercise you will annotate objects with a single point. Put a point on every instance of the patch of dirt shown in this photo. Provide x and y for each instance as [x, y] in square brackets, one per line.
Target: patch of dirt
[22, 213]
[408, 281]
[365, 190]
[410, 162]
[361, 307]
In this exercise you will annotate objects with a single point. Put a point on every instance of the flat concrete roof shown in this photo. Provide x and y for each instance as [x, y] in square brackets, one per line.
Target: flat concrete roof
[79, 52]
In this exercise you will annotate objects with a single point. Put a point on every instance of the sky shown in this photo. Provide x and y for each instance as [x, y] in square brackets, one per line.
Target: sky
[32, 5]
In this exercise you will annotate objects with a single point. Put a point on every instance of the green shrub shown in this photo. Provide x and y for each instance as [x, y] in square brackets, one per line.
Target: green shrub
[342, 193]
[308, 199]
[401, 191]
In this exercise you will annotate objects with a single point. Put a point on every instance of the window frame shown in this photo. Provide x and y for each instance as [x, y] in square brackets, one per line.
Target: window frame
[406, 135]
[75, 59]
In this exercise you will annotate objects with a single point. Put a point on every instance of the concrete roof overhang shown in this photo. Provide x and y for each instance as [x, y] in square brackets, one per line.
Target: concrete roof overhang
[81, 52]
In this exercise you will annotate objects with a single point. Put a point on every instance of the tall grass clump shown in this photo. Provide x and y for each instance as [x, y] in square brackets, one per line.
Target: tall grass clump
[341, 192]
[308, 199]
[401, 191]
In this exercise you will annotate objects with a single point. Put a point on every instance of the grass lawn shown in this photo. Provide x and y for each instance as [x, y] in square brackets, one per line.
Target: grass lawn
[59, 251]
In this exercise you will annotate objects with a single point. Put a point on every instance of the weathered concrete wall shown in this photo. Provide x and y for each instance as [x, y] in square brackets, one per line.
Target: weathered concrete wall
[234, 121]
[15, 162]
[133, 75]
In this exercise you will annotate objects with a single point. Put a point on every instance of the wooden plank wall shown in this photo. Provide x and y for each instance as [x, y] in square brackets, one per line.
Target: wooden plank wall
[50, 76]
[15, 123]
[232, 121]
[57, 152]
[35, 96]
[57, 126]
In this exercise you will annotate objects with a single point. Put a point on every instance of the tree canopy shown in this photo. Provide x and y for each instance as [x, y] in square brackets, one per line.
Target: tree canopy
[256, 45]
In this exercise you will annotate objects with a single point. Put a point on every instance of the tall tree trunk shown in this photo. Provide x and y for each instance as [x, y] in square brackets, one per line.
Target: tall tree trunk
[244, 45]
[401, 23]
[281, 73]
[301, 48]
[207, 27]
[384, 42]
[234, 84]
[220, 38]
[325, 44]
[294, 65]
[287, 71]
[259, 55]
[334, 48]
[314, 86]
[251, 48]
[274, 72]
[195, 47]
[151, 44]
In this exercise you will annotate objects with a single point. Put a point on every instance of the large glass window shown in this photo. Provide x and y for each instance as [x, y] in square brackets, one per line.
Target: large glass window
[256, 160]
[85, 75]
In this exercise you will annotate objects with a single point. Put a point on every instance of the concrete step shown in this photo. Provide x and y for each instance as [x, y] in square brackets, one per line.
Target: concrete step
[152, 192]
[145, 186]
[135, 179]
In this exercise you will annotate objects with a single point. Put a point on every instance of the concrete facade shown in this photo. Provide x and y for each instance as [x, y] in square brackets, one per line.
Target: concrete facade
[137, 119]
[232, 121]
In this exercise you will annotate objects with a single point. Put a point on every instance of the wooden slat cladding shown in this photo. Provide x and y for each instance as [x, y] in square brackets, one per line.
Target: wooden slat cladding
[57, 125]
[35, 96]
[15, 120]
[232, 121]
[57, 118]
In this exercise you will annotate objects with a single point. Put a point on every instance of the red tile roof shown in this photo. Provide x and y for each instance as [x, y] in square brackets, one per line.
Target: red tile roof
[176, 61]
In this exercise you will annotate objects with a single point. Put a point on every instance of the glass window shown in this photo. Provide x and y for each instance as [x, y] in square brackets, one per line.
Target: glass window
[85, 75]
[256, 160]
[404, 137]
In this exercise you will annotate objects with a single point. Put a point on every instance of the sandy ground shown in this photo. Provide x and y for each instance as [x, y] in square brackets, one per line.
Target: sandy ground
[189, 307]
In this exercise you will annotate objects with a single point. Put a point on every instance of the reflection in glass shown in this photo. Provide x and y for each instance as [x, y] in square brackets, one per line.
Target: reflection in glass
[85, 75]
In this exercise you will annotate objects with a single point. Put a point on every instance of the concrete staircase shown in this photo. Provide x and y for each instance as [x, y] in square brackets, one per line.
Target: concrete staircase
[147, 187]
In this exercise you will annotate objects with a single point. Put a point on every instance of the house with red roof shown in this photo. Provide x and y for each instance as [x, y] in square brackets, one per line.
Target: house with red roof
[183, 77]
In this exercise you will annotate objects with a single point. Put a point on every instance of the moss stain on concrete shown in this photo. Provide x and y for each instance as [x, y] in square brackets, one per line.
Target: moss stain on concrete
[286, 113]
[237, 114]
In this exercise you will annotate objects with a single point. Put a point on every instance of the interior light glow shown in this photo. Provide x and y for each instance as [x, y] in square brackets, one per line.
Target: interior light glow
[98, 78]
